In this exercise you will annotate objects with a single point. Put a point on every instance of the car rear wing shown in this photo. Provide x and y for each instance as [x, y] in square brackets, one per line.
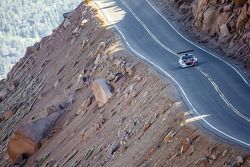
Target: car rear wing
[187, 51]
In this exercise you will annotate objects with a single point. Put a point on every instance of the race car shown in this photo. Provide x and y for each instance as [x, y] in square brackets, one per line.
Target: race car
[188, 60]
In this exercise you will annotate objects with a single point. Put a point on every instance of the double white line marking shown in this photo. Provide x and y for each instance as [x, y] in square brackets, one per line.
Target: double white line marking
[223, 96]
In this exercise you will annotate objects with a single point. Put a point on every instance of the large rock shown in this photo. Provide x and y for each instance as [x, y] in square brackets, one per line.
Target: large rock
[31, 50]
[242, 19]
[66, 23]
[1, 117]
[248, 9]
[27, 139]
[8, 114]
[102, 91]
[239, 160]
[185, 7]
[52, 109]
[224, 30]
[228, 8]
[3, 93]
[100, 48]
[79, 83]
[209, 17]
[198, 8]
[11, 85]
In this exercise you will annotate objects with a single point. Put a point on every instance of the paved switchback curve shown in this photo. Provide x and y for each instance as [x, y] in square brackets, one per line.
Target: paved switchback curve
[214, 89]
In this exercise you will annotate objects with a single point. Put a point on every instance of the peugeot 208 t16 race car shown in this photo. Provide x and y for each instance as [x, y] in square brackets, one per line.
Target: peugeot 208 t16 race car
[188, 60]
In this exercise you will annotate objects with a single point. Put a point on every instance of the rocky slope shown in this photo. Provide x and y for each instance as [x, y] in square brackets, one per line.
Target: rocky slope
[224, 24]
[79, 98]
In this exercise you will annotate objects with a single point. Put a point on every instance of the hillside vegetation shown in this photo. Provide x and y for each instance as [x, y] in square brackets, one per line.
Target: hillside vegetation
[24, 22]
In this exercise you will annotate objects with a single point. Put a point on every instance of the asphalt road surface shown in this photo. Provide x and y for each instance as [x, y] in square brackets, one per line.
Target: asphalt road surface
[214, 91]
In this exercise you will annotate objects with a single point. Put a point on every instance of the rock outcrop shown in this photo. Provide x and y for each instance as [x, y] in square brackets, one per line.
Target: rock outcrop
[227, 23]
[102, 91]
[27, 138]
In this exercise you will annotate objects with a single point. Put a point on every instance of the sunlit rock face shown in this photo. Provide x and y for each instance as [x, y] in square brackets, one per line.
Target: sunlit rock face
[22, 23]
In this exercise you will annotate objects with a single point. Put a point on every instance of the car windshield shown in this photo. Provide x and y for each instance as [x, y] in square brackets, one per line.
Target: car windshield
[187, 57]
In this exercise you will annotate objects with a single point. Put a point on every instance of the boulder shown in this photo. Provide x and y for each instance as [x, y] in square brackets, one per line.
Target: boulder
[198, 9]
[111, 76]
[98, 59]
[224, 153]
[117, 62]
[1, 117]
[170, 136]
[209, 18]
[247, 35]
[129, 70]
[52, 109]
[222, 18]
[11, 85]
[31, 50]
[26, 140]
[8, 114]
[102, 91]
[242, 19]
[66, 15]
[224, 30]
[66, 23]
[185, 7]
[79, 83]
[228, 8]
[248, 10]
[85, 21]
[71, 99]
[100, 48]
[113, 148]
[83, 43]
[56, 83]
[239, 160]
[185, 145]
[3, 93]
[76, 31]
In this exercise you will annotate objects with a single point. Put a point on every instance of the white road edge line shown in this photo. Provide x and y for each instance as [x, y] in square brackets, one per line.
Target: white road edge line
[182, 91]
[223, 97]
[198, 45]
